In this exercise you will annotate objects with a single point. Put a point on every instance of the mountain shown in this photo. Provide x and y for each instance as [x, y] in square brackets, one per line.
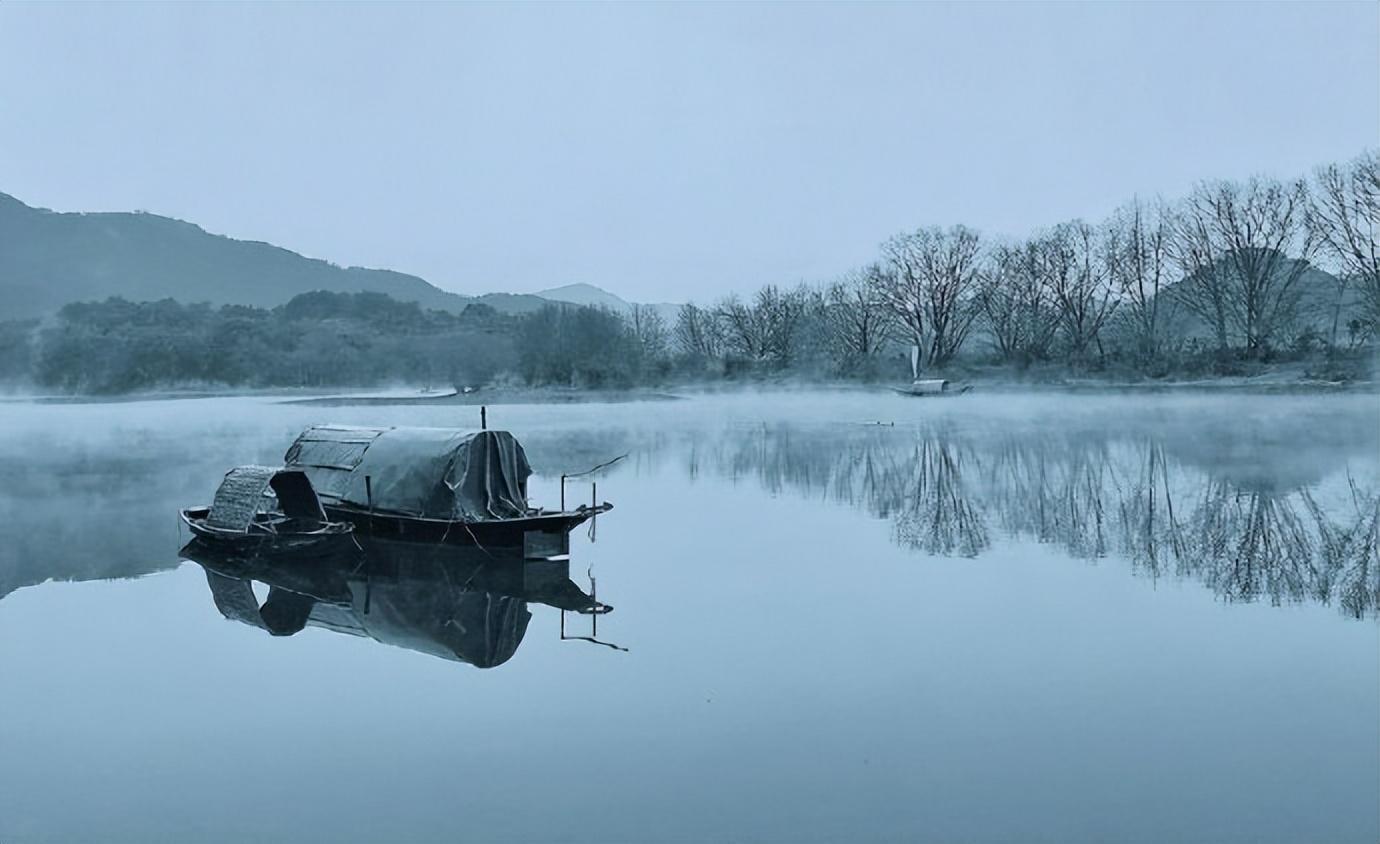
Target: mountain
[1315, 291]
[588, 294]
[48, 259]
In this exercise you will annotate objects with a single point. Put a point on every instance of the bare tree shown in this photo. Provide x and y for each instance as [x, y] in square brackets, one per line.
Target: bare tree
[650, 330]
[1258, 232]
[1015, 302]
[1205, 288]
[856, 318]
[929, 283]
[765, 329]
[781, 313]
[1138, 247]
[699, 332]
[1344, 216]
[744, 331]
[1074, 263]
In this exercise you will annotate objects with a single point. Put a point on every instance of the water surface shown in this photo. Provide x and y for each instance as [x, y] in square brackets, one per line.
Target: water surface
[847, 617]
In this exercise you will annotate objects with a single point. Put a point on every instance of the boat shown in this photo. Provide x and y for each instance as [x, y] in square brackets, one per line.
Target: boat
[937, 387]
[934, 387]
[257, 505]
[432, 484]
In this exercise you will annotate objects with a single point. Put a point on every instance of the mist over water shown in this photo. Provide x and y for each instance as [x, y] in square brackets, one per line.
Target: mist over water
[1001, 617]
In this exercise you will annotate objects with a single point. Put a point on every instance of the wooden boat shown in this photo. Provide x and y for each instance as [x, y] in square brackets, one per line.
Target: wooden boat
[536, 527]
[934, 387]
[930, 387]
[432, 484]
[264, 505]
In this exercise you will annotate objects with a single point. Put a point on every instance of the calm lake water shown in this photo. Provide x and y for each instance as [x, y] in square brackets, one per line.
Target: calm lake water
[993, 618]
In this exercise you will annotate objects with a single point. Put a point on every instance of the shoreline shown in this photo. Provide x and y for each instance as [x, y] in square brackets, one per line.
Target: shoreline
[690, 390]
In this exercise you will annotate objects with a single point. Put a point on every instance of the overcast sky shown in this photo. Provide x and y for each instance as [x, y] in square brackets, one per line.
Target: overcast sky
[664, 152]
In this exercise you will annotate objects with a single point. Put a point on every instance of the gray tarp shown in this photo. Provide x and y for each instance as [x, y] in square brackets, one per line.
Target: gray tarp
[242, 493]
[435, 473]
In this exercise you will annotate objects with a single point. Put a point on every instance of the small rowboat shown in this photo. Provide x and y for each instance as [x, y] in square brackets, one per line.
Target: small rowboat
[262, 504]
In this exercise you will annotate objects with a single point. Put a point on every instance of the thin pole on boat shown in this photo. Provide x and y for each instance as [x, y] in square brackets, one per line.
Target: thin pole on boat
[483, 418]
[591, 471]
[368, 581]
[369, 494]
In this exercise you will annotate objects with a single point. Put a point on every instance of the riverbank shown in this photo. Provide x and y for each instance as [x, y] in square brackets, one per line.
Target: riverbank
[1289, 377]
[486, 396]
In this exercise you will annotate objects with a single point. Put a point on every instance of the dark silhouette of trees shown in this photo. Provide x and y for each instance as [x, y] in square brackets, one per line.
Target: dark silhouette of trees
[578, 347]
[1344, 218]
[856, 320]
[315, 340]
[929, 283]
[1079, 281]
[1016, 306]
[1138, 259]
[1249, 244]
[765, 329]
[698, 332]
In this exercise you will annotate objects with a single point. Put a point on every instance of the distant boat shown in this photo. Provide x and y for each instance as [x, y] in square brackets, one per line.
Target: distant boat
[258, 505]
[934, 387]
[937, 387]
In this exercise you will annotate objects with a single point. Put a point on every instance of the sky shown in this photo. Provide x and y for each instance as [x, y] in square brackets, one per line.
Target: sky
[664, 152]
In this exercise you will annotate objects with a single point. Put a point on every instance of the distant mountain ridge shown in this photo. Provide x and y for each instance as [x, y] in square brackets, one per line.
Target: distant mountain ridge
[50, 258]
[597, 297]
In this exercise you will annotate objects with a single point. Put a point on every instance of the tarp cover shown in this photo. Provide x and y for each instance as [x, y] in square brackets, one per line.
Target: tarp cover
[434, 473]
[243, 494]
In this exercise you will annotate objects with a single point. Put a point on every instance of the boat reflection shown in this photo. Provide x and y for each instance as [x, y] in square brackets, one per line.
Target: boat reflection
[458, 603]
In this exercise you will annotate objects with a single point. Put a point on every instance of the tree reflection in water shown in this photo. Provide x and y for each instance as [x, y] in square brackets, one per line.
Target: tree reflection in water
[938, 515]
[1219, 516]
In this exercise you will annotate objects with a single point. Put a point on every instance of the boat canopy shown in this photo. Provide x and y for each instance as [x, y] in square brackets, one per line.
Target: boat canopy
[931, 385]
[245, 493]
[432, 473]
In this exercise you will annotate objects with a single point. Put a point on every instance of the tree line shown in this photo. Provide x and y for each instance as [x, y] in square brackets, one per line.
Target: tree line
[321, 339]
[317, 339]
[1238, 270]
[1238, 273]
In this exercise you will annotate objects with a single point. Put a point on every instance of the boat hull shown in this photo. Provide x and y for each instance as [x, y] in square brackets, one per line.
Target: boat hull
[195, 520]
[499, 533]
[931, 394]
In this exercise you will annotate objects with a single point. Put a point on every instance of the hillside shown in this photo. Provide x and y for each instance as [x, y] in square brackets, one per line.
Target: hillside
[48, 259]
[1318, 304]
[589, 295]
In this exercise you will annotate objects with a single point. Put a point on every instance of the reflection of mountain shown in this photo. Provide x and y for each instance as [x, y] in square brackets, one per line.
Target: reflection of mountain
[87, 515]
[1224, 517]
[457, 603]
